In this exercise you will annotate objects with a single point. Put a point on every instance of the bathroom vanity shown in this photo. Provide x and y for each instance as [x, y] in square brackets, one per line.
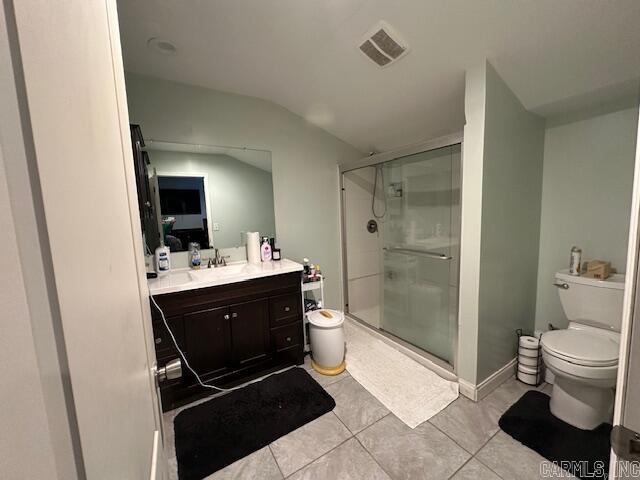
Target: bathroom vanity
[233, 323]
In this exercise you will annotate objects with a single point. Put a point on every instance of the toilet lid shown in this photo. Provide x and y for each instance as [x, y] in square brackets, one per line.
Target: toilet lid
[581, 347]
[326, 318]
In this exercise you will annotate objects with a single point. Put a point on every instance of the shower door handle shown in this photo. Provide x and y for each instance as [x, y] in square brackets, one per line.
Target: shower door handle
[423, 253]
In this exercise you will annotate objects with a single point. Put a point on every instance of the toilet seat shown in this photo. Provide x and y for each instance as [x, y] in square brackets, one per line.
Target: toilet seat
[581, 347]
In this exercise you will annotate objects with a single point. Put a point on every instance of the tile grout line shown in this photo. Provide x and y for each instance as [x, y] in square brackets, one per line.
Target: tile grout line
[325, 453]
[371, 454]
[367, 450]
[333, 383]
[480, 461]
[355, 435]
[460, 467]
[275, 460]
[450, 437]
[324, 387]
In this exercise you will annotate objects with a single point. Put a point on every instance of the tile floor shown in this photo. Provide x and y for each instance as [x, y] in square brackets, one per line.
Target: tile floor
[361, 439]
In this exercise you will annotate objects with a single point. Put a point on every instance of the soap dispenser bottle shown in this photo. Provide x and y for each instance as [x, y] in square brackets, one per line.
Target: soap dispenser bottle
[163, 260]
[195, 258]
[265, 250]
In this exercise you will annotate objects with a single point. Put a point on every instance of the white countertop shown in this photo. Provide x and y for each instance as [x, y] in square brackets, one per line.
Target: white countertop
[182, 279]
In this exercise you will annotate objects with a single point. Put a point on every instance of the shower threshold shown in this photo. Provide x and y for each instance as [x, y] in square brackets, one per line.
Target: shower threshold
[433, 363]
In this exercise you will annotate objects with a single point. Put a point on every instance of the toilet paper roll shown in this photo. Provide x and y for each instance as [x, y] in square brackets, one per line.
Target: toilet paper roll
[528, 375]
[530, 362]
[529, 342]
[253, 247]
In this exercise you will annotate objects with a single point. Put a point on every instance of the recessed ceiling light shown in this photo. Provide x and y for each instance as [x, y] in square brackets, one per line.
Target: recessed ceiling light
[164, 47]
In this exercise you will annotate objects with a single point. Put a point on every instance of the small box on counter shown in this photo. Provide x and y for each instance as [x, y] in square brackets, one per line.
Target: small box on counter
[598, 269]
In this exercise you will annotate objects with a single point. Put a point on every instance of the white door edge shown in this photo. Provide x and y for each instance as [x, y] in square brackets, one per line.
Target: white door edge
[155, 471]
[628, 301]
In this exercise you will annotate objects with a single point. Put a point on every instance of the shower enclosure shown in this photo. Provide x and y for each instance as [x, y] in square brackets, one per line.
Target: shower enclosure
[401, 240]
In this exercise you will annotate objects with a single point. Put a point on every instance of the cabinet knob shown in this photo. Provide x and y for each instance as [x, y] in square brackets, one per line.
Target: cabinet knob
[158, 341]
[226, 316]
[234, 315]
[287, 309]
[288, 339]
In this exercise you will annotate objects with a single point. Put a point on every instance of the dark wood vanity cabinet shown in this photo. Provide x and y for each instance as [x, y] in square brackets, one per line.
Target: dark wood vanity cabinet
[230, 333]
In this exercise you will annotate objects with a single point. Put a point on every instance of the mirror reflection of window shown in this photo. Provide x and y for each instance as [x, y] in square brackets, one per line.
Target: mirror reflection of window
[183, 211]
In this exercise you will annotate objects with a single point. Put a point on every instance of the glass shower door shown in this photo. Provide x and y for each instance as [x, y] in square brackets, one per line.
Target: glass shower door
[420, 249]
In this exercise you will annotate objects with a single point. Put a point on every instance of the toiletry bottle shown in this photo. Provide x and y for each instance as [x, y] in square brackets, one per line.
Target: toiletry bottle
[163, 260]
[575, 260]
[306, 268]
[195, 258]
[275, 252]
[265, 250]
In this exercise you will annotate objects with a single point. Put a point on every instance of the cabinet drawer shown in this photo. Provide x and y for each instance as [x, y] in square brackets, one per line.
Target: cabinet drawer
[286, 337]
[284, 309]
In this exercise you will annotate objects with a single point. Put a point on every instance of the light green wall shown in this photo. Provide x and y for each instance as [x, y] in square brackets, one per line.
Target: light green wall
[240, 195]
[588, 177]
[511, 194]
[304, 159]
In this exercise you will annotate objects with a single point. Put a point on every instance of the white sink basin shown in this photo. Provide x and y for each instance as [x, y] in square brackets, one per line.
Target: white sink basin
[213, 273]
[181, 278]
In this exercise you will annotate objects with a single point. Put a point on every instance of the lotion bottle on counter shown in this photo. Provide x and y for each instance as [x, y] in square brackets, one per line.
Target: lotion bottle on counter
[163, 260]
[265, 250]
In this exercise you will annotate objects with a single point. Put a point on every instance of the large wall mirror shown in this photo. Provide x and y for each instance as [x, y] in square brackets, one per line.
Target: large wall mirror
[206, 194]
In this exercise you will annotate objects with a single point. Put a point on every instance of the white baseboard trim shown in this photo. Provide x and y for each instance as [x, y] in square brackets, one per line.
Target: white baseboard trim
[467, 389]
[497, 378]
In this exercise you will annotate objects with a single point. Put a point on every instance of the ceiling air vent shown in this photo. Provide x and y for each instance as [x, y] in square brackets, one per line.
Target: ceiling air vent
[383, 45]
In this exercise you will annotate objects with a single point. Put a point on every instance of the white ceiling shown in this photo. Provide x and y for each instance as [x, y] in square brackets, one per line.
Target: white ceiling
[302, 54]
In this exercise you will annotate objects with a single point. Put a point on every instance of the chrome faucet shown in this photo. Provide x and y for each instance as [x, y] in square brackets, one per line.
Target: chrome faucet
[217, 260]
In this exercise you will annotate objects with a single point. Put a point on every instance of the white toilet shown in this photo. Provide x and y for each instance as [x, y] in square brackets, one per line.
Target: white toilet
[584, 357]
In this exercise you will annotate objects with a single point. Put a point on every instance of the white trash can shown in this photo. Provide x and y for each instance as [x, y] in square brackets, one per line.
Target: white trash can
[327, 341]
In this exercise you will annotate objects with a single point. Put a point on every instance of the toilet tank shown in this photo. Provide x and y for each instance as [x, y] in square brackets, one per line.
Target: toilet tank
[590, 301]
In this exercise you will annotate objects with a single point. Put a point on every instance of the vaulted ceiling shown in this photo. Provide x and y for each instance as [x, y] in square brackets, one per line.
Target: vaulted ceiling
[303, 55]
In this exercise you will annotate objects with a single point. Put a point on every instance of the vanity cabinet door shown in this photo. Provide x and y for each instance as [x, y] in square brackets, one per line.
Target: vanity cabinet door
[208, 340]
[250, 331]
[165, 348]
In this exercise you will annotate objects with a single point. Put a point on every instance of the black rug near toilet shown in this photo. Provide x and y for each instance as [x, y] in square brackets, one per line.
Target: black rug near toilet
[216, 433]
[530, 422]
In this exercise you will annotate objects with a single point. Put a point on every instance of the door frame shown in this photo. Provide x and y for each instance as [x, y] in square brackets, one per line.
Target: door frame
[628, 313]
[40, 116]
[159, 461]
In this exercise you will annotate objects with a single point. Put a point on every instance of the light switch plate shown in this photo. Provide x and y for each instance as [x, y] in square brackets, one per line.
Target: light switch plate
[216, 227]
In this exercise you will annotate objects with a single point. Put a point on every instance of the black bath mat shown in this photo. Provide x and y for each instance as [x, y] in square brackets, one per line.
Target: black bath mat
[586, 452]
[216, 433]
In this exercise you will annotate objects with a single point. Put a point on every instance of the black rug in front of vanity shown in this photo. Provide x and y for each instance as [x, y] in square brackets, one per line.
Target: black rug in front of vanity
[585, 453]
[216, 433]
